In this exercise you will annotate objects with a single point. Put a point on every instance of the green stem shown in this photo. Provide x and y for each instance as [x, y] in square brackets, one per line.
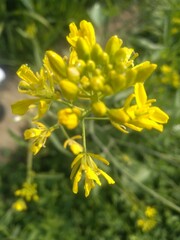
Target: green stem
[97, 118]
[64, 132]
[84, 134]
[29, 165]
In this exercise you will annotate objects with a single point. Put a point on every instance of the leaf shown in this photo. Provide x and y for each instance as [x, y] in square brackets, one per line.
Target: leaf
[22, 106]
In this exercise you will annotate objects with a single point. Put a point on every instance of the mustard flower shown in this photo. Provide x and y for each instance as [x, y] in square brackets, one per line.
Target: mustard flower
[150, 212]
[140, 115]
[69, 117]
[83, 163]
[170, 76]
[39, 84]
[146, 224]
[86, 32]
[74, 146]
[19, 205]
[38, 136]
[28, 192]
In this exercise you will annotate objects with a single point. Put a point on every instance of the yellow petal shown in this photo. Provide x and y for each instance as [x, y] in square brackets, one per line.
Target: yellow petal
[92, 175]
[77, 158]
[144, 70]
[76, 181]
[89, 184]
[25, 73]
[158, 115]
[121, 128]
[107, 177]
[98, 157]
[140, 93]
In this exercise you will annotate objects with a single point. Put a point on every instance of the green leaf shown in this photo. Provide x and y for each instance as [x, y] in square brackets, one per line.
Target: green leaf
[22, 106]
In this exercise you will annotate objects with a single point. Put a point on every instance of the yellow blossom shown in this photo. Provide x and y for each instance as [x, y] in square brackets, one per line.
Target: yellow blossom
[140, 115]
[69, 117]
[86, 31]
[38, 136]
[150, 212]
[74, 146]
[28, 192]
[146, 224]
[19, 205]
[170, 76]
[83, 163]
[39, 84]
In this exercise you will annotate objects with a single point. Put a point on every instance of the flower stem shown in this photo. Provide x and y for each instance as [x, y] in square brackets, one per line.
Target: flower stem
[84, 134]
[29, 165]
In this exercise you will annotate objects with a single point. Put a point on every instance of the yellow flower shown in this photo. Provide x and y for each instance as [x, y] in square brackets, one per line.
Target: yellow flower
[39, 84]
[138, 116]
[146, 224]
[38, 135]
[28, 192]
[86, 31]
[19, 205]
[150, 212]
[74, 146]
[84, 163]
[69, 117]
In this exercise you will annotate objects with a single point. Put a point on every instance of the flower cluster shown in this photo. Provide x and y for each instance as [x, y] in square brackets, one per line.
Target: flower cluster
[149, 221]
[78, 86]
[27, 193]
[170, 76]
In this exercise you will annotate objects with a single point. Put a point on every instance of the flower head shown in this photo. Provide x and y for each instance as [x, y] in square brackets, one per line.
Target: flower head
[86, 32]
[74, 146]
[69, 117]
[19, 205]
[28, 192]
[84, 163]
[38, 136]
[140, 115]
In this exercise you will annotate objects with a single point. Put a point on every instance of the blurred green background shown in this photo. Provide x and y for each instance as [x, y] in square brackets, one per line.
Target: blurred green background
[144, 165]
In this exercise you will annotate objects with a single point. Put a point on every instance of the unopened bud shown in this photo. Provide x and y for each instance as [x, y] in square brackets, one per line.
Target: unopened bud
[73, 74]
[69, 89]
[99, 108]
[113, 45]
[83, 49]
[56, 63]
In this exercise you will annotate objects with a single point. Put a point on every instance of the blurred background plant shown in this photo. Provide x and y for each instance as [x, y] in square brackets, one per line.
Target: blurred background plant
[145, 166]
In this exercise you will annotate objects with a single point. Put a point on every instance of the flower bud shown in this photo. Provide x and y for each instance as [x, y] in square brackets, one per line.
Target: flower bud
[113, 45]
[97, 83]
[90, 65]
[56, 63]
[80, 65]
[99, 108]
[69, 89]
[73, 74]
[83, 49]
[96, 53]
[85, 82]
[69, 117]
[118, 115]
